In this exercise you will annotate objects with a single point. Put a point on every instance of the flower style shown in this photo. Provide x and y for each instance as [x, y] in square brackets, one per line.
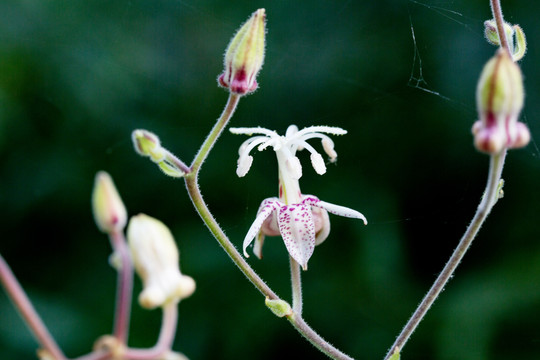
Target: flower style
[301, 220]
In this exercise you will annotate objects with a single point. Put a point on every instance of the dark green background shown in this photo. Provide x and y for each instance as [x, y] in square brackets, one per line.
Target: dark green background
[76, 77]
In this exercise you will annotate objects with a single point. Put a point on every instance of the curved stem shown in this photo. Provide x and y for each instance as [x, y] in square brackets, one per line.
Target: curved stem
[498, 16]
[315, 339]
[124, 287]
[296, 283]
[28, 312]
[488, 200]
[201, 207]
[214, 134]
[165, 340]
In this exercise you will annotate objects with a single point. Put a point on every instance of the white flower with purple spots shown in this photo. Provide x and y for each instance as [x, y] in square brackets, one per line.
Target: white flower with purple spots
[301, 220]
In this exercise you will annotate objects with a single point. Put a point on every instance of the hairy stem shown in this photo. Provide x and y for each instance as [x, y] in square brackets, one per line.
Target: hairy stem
[488, 200]
[201, 207]
[28, 312]
[124, 287]
[498, 16]
[296, 283]
[315, 339]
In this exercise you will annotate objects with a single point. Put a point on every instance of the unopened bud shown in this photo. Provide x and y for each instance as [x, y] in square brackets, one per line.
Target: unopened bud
[499, 98]
[279, 307]
[147, 144]
[109, 211]
[244, 56]
[156, 261]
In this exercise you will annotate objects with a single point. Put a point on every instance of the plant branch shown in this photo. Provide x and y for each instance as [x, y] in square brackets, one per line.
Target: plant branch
[488, 200]
[296, 283]
[498, 16]
[201, 207]
[315, 339]
[124, 287]
[28, 312]
[166, 336]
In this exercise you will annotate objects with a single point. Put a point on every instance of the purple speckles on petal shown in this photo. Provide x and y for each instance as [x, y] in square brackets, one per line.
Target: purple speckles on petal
[298, 235]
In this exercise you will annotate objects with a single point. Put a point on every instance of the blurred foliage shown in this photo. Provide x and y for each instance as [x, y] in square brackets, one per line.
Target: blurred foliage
[76, 77]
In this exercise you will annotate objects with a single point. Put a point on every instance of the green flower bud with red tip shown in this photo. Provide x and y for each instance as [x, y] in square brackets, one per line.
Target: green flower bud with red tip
[244, 56]
[499, 98]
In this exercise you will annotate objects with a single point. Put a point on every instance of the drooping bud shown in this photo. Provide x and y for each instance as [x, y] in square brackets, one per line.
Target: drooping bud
[148, 144]
[156, 261]
[244, 56]
[499, 98]
[109, 210]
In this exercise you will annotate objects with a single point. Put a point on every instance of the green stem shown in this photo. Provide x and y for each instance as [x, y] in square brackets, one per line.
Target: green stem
[201, 207]
[315, 339]
[296, 283]
[488, 200]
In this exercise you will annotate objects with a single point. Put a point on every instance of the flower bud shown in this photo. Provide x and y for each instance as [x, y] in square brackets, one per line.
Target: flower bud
[109, 211]
[147, 144]
[499, 98]
[156, 261]
[244, 56]
[279, 307]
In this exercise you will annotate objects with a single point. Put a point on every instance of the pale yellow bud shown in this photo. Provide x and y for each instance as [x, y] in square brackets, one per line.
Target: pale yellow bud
[109, 211]
[156, 260]
[499, 98]
[245, 55]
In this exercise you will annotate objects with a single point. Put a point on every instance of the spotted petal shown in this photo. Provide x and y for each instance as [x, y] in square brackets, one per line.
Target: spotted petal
[298, 231]
[267, 207]
[333, 209]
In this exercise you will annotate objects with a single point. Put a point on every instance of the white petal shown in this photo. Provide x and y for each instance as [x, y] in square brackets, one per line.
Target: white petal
[266, 208]
[322, 224]
[298, 231]
[334, 209]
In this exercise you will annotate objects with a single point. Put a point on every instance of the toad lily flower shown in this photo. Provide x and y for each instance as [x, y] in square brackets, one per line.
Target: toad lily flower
[301, 220]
